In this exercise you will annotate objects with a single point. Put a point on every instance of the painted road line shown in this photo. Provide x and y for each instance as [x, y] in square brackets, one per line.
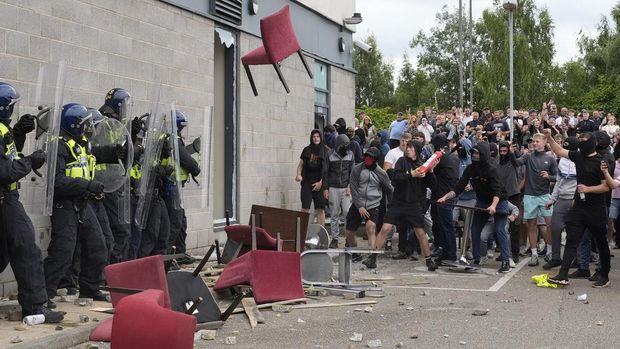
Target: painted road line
[501, 282]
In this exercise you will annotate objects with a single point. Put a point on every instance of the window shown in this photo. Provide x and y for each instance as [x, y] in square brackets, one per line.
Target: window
[321, 95]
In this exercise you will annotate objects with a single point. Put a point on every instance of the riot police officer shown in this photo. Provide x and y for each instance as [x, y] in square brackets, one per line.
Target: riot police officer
[115, 100]
[17, 237]
[73, 217]
[178, 220]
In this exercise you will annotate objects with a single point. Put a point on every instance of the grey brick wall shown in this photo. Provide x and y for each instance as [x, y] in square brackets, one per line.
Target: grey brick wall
[133, 44]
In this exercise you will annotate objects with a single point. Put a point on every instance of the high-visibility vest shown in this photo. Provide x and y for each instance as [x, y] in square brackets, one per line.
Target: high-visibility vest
[184, 173]
[10, 149]
[83, 164]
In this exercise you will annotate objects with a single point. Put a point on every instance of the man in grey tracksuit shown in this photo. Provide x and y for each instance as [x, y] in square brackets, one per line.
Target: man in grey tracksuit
[368, 183]
[340, 163]
[562, 200]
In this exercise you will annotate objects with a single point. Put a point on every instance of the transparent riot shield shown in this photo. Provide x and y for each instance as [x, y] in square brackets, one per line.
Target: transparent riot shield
[49, 99]
[125, 199]
[111, 133]
[175, 187]
[153, 142]
[200, 149]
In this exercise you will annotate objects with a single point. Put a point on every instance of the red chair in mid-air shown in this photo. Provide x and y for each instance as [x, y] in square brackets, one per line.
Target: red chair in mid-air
[279, 42]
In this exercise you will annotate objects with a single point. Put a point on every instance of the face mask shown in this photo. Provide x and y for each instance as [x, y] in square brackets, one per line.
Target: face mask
[587, 147]
[369, 162]
[343, 149]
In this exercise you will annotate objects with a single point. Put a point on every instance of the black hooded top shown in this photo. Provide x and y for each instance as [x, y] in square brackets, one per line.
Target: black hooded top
[447, 170]
[314, 157]
[483, 176]
[408, 189]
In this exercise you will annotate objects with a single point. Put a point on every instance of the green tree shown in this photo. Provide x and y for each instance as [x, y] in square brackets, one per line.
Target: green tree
[439, 57]
[533, 57]
[414, 89]
[373, 85]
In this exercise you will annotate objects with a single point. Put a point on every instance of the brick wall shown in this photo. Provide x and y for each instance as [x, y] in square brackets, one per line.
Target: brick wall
[133, 44]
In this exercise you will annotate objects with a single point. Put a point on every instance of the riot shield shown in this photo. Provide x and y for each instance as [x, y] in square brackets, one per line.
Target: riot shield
[200, 149]
[175, 188]
[49, 99]
[153, 142]
[125, 199]
[111, 132]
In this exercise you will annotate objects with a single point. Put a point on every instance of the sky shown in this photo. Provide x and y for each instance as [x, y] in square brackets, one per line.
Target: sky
[395, 22]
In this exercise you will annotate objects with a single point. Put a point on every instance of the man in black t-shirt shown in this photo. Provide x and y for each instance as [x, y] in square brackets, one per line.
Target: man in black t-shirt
[311, 170]
[589, 210]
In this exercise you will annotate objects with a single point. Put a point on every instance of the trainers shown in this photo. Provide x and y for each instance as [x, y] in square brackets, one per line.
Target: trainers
[400, 255]
[515, 258]
[388, 245]
[415, 256]
[552, 263]
[72, 291]
[594, 276]
[548, 257]
[97, 296]
[356, 257]
[512, 263]
[50, 304]
[371, 261]
[559, 280]
[505, 267]
[51, 317]
[334, 243]
[430, 264]
[437, 252]
[490, 254]
[580, 274]
[533, 261]
[186, 259]
[601, 282]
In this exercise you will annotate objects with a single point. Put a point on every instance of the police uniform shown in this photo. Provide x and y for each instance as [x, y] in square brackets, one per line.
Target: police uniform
[178, 220]
[17, 236]
[73, 220]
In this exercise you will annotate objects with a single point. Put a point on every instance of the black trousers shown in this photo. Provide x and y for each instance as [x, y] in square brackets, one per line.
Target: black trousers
[514, 228]
[121, 231]
[155, 235]
[18, 247]
[178, 226]
[580, 218]
[68, 227]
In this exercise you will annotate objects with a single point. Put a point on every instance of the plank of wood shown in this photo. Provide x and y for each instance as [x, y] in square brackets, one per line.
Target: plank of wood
[268, 305]
[330, 305]
[249, 305]
[103, 310]
[213, 325]
[376, 278]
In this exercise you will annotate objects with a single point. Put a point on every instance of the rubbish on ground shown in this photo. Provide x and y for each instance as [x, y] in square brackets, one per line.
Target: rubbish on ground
[375, 343]
[356, 337]
[231, 340]
[16, 340]
[368, 310]
[480, 312]
[582, 297]
[542, 280]
[207, 335]
[84, 318]
[300, 321]
[281, 308]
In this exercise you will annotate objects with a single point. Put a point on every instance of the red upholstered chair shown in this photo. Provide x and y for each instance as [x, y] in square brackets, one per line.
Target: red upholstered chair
[273, 276]
[279, 42]
[144, 273]
[242, 234]
[142, 321]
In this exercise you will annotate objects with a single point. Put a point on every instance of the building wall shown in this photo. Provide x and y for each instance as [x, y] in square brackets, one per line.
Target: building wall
[134, 44]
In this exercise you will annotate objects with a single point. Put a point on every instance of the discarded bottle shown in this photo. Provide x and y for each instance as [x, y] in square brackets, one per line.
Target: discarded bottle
[582, 196]
[34, 319]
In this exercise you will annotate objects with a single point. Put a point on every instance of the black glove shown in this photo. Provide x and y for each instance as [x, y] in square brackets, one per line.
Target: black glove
[25, 124]
[37, 159]
[165, 149]
[95, 187]
[136, 126]
[121, 152]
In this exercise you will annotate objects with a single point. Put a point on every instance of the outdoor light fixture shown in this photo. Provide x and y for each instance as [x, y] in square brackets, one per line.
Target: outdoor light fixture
[341, 45]
[356, 19]
[253, 7]
[510, 5]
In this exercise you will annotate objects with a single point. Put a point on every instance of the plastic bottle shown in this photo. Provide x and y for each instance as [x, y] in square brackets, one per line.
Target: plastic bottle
[34, 319]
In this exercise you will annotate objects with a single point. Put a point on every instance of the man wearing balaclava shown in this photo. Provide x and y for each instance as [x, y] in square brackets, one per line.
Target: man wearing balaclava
[369, 182]
[589, 210]
[447, 175]
[340, 162]
[311, 170]
[490, 197]
[509, 176]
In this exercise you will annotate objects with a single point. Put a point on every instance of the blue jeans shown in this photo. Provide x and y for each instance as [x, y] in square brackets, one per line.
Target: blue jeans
[443, 230]
[500, 219]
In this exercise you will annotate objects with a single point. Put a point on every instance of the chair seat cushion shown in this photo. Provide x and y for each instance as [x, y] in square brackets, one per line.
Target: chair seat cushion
[257, 56]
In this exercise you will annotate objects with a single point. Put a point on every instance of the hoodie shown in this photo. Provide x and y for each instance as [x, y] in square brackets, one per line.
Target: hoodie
[465, 160]
[483, 176]
[339, 167]
[508, 173]
[368, 186]
[447, 170]
[408, 189]
[385, 148]
[314, 157]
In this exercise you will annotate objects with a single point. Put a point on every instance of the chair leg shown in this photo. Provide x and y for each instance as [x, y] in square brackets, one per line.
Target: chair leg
[247, 71]
[277, 68]
[303, 60]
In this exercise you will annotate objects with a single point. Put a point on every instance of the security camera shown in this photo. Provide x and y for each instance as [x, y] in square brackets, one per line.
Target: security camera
[362, 46]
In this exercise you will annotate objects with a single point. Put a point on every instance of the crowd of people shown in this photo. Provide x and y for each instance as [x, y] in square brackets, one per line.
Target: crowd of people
[89, 229]
[523, 186]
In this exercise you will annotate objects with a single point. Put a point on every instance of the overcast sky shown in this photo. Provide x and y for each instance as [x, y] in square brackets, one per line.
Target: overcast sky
[395, 22]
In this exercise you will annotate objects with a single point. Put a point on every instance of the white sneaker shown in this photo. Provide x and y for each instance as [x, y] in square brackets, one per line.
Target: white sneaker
[490, 254]
[512, 263]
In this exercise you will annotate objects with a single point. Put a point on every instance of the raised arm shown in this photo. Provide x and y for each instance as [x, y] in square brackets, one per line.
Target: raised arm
[554, 146]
